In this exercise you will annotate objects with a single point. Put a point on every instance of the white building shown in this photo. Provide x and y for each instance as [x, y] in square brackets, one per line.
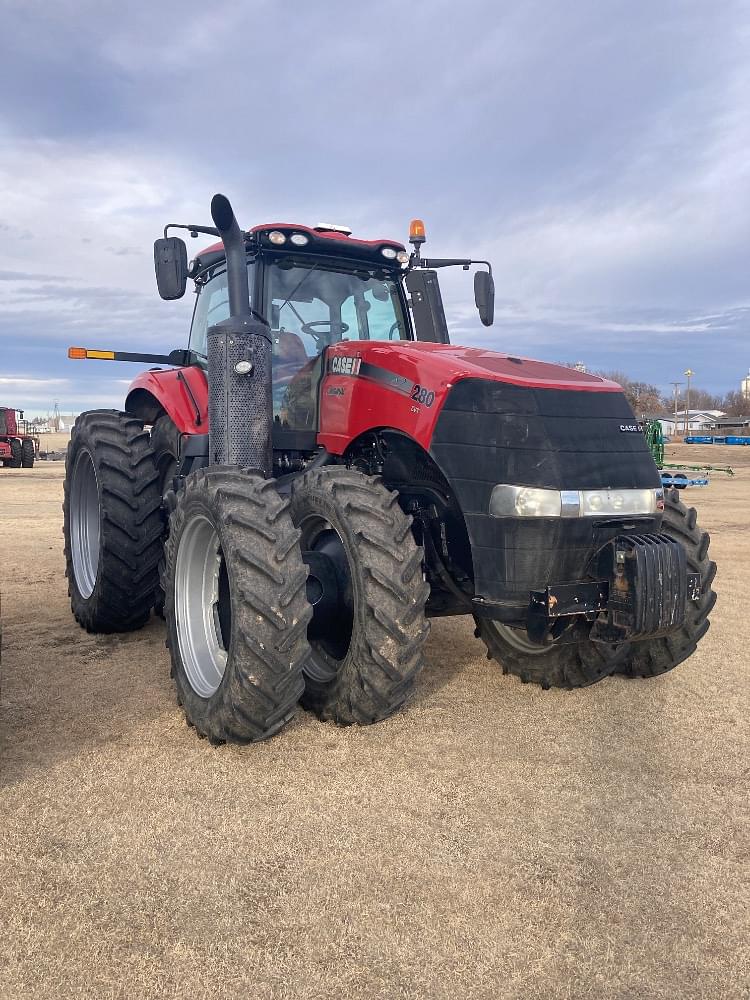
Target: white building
[698, 421]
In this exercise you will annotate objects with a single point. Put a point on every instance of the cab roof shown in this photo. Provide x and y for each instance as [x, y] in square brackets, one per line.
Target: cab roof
[319, 240]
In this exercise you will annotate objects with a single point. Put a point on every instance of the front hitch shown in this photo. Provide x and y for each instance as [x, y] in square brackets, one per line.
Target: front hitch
[641, 584]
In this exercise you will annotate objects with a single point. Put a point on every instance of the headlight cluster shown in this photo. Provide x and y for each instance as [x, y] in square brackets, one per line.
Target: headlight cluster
[529, 501]
[278, 238]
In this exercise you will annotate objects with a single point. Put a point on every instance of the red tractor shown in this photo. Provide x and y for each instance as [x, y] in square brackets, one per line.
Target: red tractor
[18, 448]
[320, 472]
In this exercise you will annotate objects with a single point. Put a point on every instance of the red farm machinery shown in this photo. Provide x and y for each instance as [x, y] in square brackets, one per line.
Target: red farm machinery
[320, 472]
[18, 446]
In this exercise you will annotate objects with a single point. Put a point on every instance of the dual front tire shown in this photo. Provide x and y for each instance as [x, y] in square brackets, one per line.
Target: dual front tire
[252, 630]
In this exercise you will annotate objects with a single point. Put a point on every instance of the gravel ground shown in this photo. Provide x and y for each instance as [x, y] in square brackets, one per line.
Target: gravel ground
[493, 840]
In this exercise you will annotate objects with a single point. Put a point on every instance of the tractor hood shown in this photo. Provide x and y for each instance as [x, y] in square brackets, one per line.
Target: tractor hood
[446, 364]
[487, 419]
[405, 385]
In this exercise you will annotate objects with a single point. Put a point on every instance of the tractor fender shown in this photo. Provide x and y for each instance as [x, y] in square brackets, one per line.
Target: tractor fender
[181, 393]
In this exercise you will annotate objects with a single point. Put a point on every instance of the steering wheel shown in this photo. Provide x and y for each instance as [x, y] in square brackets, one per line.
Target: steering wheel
[333, 328]
[394, 329]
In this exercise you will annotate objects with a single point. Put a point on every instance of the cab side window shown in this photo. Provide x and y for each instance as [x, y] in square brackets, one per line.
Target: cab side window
[212, 307]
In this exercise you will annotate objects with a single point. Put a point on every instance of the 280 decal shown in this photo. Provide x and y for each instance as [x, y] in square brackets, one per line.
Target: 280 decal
[420, 394]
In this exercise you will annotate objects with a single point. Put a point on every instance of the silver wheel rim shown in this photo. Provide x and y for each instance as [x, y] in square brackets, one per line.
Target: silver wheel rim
[199, 638]
[84, 524]
[518, 638]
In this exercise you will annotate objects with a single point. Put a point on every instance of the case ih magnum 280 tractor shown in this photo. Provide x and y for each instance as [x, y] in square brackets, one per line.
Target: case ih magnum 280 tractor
[320, 472]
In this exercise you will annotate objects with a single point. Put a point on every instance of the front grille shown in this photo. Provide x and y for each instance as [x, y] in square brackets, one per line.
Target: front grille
[491, 432]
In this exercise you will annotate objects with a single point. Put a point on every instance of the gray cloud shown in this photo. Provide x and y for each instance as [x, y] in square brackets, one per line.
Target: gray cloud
[597, 153]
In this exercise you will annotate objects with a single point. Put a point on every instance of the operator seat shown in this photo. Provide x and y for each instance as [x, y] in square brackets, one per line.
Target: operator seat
[288, 358]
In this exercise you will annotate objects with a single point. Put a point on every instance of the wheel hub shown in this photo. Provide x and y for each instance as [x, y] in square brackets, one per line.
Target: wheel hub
[329, 587]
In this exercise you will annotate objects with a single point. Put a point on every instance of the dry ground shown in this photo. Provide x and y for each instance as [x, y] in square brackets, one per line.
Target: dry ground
[493, 840]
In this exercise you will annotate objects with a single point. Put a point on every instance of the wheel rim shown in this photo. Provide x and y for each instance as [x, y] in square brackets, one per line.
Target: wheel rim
[518, 638]
[85, 524]
[319, 536]
[202, 606]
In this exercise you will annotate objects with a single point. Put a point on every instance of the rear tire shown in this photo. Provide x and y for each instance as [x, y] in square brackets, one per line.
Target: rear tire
[28, 453]
[111, 522]
[235, 606]
[365, 666]
[562, 665]
[652, 657]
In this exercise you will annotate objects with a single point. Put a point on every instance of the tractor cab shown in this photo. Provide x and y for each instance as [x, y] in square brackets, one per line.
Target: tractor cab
[312, 295]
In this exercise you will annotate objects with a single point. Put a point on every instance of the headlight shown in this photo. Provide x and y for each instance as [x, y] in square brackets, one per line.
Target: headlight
[618, 502]
[276, 237]
[529, 501]
[402, 257]
[524, 501]
[299, 239]
[388, 252]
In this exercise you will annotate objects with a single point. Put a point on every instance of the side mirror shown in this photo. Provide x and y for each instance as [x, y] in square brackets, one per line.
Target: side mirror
[170, 261]
[484, 296]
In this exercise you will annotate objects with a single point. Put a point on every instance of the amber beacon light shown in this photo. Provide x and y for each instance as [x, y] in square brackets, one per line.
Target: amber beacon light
[416, 231]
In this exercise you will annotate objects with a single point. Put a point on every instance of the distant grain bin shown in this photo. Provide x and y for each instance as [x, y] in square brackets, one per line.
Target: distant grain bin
[745, 386]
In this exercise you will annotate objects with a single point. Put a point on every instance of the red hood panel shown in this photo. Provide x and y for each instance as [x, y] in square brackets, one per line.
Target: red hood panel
[455, 363]
[403, 385]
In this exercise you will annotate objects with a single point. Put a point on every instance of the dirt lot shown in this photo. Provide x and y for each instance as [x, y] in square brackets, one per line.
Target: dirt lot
[491, 841]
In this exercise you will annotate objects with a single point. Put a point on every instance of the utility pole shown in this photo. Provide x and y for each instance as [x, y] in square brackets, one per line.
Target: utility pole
[688, 374]
[675, 391]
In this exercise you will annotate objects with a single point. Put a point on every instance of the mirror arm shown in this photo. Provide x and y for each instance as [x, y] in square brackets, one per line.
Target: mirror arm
[434, 262]
[193, 230]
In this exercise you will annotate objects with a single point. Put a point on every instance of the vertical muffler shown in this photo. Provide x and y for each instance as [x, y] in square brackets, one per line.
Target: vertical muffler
[240, 405]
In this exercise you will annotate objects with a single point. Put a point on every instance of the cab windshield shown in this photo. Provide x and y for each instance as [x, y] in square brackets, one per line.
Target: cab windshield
[309, 306]
[318, 306]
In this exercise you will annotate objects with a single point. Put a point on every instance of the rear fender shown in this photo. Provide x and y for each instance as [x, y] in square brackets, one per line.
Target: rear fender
[181, 393]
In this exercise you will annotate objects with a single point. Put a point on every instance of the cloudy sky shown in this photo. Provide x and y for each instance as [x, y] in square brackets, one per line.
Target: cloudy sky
[597, 152]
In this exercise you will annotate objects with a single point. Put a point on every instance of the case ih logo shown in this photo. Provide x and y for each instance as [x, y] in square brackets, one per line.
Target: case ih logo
[343, 365]
[631, 428]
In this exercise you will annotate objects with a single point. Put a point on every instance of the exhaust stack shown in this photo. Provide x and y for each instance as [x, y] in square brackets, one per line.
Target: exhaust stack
[240, 405]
